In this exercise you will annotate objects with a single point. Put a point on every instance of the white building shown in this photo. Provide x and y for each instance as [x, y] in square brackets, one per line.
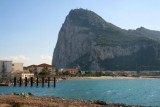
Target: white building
[27, 74]
[5, 67]
[17, 67]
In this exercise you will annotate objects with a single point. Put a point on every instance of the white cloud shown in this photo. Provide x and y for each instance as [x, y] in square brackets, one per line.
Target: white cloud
[17, 58]
[46, 57]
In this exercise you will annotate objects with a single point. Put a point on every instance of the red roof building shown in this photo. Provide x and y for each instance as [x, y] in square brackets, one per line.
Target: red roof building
[39, 68]
[47, 66]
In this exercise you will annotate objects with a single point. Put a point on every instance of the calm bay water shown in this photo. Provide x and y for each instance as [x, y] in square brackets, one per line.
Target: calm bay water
[128, 91]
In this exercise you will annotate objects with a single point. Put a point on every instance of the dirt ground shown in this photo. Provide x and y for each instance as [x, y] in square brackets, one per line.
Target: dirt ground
[28, 100]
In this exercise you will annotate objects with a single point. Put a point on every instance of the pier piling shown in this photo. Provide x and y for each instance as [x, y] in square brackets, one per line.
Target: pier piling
[48, 81]
[37, 82]
[54, 82]
[31, 81]
[42, 81]
[15, 81]
[20, 81]
[25, 81]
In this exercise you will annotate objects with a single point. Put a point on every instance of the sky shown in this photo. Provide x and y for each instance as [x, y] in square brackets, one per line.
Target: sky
[29, 28]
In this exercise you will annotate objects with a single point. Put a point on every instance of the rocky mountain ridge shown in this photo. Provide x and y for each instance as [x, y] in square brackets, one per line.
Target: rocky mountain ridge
[87, 40]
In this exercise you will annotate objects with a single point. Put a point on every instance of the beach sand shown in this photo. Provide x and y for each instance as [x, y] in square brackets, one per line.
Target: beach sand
[104, 77]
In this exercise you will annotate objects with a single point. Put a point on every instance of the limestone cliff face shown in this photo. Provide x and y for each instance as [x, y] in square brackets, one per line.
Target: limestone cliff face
[87, 40]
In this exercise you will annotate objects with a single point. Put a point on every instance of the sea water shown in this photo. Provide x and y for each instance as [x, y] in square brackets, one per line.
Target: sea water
[128, 91]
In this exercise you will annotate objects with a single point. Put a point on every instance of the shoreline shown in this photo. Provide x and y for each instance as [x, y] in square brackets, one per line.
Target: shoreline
[111, 77]
[29, 100]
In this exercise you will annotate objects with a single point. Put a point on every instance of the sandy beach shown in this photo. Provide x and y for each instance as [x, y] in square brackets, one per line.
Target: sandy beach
[113, 77]
[103, 77]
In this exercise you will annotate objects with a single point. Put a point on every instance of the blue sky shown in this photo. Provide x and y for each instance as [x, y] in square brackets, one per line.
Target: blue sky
[29, 28]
